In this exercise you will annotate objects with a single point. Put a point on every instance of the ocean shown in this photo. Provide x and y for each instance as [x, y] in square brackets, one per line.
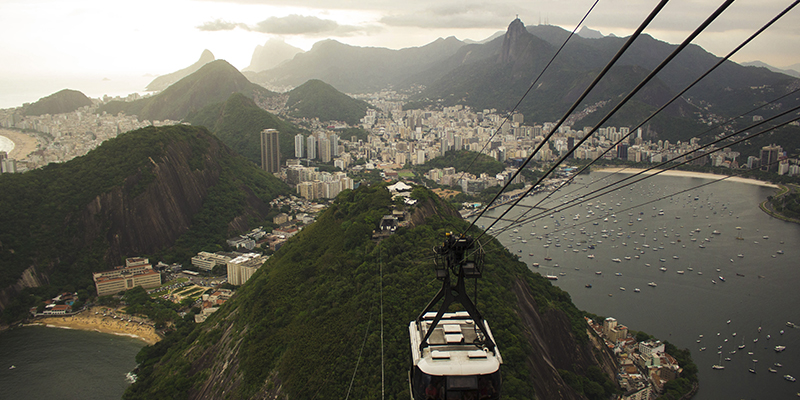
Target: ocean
[53, 363]
[756, 299]
[15, 91]
[6, 144]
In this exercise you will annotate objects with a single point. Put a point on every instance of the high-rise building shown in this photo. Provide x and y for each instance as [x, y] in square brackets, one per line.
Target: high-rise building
[769, 158]
[334, 138]
[311, 147]
[298, 145]
[270, 151]
[324, 149]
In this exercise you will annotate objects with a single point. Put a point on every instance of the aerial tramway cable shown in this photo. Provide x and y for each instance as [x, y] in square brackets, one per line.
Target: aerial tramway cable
[652, 74]
[546, 67]
[730, 54]
[594, 194]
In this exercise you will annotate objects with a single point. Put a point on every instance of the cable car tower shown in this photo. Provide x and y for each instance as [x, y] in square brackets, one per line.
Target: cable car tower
[454, 354]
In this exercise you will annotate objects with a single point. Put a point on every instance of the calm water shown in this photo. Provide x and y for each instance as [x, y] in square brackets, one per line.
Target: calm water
[682, 306]
[65, 364]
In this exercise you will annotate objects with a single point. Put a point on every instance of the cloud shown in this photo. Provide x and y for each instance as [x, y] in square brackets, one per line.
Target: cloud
[458, 16]
[296, 25]
[293, 25]
[219, 25]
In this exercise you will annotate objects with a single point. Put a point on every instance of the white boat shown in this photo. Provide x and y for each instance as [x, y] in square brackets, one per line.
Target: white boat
[651, 284]
[551, 277]
[789, 378]
[680, 272]
[779, 349]
[637, 290]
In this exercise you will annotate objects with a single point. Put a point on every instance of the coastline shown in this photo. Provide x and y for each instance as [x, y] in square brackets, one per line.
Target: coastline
[687, 174]
[89, 321]
[24, 144]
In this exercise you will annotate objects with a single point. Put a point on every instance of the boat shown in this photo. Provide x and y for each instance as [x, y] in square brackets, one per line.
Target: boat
[779, 349]
[663, 269]
[651, 284]
[721, 278]
[589, 285]
[622, 288]
[599, 273]
[680, 272]
[789, 378]
[616, 260]
[773, 370]
[535, 264]
[551, 277]
[637, 290]
[12, 367]
[719, 364]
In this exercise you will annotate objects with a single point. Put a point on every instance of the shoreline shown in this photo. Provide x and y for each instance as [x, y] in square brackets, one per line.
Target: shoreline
[23, 144]
[687, 174]
[88, 321]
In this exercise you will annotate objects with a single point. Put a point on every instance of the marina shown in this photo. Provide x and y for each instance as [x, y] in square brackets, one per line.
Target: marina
[686, 309]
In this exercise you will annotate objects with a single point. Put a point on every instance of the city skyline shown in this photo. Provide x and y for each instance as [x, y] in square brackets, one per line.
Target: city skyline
[90, 46]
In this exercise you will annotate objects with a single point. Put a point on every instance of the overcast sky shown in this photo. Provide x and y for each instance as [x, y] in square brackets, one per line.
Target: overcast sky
[66, 43]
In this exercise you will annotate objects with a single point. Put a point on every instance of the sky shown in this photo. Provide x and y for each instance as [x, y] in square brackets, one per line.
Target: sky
[118, 47]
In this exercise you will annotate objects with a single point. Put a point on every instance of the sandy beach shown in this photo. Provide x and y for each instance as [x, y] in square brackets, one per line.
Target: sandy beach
[89, 321]
[23, 144]
[688, 174]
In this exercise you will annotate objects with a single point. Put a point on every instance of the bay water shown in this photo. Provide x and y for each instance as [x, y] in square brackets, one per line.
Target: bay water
[50, 363]
[732, 291]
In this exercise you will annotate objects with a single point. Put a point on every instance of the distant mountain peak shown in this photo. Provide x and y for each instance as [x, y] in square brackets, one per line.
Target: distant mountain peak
[163, 81]
[516, 31]
[271, 54]
[588, 33]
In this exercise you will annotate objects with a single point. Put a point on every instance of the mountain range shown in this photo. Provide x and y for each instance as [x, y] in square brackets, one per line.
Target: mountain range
[496, 74]
[162, 82]
[213, 83]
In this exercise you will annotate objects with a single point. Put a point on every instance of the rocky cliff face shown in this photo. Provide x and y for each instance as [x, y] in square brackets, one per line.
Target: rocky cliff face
[158, 216]
[553, 349]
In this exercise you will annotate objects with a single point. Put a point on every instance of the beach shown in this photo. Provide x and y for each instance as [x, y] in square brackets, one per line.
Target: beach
[22, 144]
[89, 321]
[687, 174]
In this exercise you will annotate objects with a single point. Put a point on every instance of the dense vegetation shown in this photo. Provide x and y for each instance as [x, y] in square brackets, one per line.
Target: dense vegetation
[41, 210]
[212, 83]
[61, 102]
[311, 315]
[788, 204]
[317, 99]
[463, 160]
[238, 122]
[677, 388]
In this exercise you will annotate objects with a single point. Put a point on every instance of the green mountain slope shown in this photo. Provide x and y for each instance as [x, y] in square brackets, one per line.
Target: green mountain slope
[61, 102]
[238, 122]
[308, 323]
[166, 192]
[212, 83]
[317, 99]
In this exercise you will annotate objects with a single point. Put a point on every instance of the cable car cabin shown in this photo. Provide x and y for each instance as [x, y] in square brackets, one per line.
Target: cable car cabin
[455, 364]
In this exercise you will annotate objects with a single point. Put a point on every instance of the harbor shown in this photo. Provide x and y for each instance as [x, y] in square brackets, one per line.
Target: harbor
[678, 260]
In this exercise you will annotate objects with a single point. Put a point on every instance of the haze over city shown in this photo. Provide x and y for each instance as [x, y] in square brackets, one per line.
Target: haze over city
[99, 48]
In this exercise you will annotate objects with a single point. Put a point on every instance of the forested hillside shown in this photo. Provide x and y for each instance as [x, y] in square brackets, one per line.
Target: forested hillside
[308, 323]
[168, 192]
